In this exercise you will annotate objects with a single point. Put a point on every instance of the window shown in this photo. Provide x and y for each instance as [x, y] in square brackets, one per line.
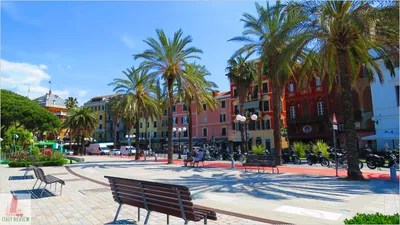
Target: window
[148, 123]
[255, 92]
[175, 120]
[235, 94]
[291, 87]
[162, 133]
[266, 125]
[204, 132]
[204, 107]
[318, 82]
[236, 109]
[54, 102]
[223, 132]
[184, 120]
[185, 133]
[292, 112]
[101, 117]
[265, 87]
[204, 119]
[165, 112]
[397, 94]
[166, 134]
[141, 125]
[337, 79]
[155, 124]
[223, 104]
[222, 118]
[266, 105]
[100, 126]
[173, 108]
[184, 107]
[268, 144]
[320, 107]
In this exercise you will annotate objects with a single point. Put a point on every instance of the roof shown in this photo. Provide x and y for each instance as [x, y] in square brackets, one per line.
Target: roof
[104, 96]
[223, 93]
[50, 100]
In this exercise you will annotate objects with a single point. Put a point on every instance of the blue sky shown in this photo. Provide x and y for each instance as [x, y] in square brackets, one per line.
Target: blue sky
[83, 46]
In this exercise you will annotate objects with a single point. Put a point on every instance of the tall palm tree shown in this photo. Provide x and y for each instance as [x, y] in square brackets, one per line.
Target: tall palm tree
[71, 102]
[242, 73]
[266, 35]
[82, 121]
[340, 36]
[166, 58]
[195, 89]
[138, 88]
[117, 106]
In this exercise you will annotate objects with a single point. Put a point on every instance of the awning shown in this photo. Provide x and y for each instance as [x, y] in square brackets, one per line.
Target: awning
[381, 136]
[251, 105]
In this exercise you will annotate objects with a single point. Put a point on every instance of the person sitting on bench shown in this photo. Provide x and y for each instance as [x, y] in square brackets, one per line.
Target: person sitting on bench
[191, 156]
[198, 157]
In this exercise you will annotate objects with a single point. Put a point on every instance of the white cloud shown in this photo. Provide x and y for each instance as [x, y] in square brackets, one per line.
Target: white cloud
[82, 93]
[43, 67]
[128, 41]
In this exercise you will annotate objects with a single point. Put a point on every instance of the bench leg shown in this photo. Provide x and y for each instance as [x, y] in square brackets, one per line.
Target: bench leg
[43, 190]
[138, 214]
[26, 173]
[35, 184]
[40, 184]
[205, 219]
[61, 189]
[116, 214]
[167, 219]
[147, 217]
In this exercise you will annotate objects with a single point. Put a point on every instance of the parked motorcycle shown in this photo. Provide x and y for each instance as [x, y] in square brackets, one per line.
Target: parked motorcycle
[342, 158]
[374, 160]
[314, 159]
[292, 157]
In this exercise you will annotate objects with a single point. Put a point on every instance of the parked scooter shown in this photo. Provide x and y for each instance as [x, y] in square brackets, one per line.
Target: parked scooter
[314, 159]
[374, 160]
[342, 158]
[292, 157]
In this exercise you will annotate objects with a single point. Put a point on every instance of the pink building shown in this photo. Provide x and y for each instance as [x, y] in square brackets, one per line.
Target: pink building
[209, 127]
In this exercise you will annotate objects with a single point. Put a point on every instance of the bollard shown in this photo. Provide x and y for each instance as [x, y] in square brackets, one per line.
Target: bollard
[393, 176]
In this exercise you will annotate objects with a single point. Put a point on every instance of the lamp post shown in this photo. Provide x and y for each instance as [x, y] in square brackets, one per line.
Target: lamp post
[129, 136]
[243, 120]
[180, 130]
[15, 136]
[1, 139]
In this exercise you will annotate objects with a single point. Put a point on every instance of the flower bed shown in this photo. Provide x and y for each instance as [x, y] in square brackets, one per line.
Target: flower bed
[23, 160]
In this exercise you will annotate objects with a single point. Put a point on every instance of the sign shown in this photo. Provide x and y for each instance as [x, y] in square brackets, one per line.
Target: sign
[335, 126]
[307, 129]
[334, 120]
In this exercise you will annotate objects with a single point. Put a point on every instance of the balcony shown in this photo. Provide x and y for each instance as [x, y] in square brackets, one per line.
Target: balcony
[61, 113]
[308, 119]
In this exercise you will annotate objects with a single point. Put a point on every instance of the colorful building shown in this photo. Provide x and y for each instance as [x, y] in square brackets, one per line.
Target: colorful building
[259, 102]
[56, 105]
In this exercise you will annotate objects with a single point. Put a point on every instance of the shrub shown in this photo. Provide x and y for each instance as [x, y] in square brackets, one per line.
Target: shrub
[321, 146]
[35, 150]
[258, 149]
[59, 162]
[376, 218]
[300, 148]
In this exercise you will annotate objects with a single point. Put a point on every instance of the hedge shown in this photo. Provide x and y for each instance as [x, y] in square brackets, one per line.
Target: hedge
[376, 218]
[58, 162]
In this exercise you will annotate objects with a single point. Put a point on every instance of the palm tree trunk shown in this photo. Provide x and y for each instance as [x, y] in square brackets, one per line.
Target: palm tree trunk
[137, 154]
[276, 102]
[170, 118]
[70, 140]
[353, 171]
[82, 144]
[145, 130]
[189, 116]
[115, 133]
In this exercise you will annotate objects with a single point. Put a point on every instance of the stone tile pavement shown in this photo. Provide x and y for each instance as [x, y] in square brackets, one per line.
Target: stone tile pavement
[84, 202]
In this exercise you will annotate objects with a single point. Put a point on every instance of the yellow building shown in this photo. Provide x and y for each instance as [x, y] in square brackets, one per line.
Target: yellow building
[103, 133]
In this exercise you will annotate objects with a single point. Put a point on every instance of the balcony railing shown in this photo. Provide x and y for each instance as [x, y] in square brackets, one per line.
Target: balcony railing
[308, 119]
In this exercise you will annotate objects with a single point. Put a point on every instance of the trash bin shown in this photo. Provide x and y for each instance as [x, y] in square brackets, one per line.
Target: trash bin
[393, 176]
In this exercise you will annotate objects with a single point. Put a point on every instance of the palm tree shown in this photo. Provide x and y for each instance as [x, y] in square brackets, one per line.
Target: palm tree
[266, 35]
[242, 73]
[166, 58]
[71, 102]
[82, 121]
[138, 88]
[195, 89]
[117, 104]
[338, 37]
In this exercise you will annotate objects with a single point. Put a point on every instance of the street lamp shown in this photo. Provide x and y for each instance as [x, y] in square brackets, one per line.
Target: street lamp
[1, 139]
[15, 136]
[243, 120]
[180, 130]
[129, 136]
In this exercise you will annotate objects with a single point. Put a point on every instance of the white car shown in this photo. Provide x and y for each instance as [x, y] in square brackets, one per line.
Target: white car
[69, 152]
[126, 150]
[115, 152]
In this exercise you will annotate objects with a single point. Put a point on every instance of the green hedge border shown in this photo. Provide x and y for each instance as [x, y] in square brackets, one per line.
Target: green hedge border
[59, 162]
[377, 218]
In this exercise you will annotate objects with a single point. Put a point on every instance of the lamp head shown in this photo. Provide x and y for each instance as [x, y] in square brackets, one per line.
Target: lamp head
[179, 129]
[254, 117]
[243, 119]
[184, 129]
[174, 129]
[126, 136]
[238, 117]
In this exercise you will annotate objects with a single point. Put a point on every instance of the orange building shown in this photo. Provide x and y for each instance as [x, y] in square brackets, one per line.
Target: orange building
[56, 105]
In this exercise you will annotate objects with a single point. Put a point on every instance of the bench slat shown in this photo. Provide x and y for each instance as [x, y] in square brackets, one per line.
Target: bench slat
[147, 190]
[158, 198]
[129, 182]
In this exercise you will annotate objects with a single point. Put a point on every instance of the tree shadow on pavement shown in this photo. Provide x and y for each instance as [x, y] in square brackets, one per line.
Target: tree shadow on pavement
[108, 166]
[129, 221]
[279, 186]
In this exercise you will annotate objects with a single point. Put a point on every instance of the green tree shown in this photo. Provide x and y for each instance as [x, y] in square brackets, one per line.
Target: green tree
[266, 34]
[19, 111]
[195, 89]
[71, 102]
[166, 58]
[337, 38]
[139, 90]
[22, 139]
[242, 73]
[82, 121]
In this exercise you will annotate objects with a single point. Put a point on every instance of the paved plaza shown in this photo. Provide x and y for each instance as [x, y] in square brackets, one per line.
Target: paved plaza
[237, 196]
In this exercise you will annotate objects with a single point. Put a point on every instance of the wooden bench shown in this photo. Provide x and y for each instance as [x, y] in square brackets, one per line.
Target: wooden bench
[260, 161]
[47, 179]
[169, 199]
